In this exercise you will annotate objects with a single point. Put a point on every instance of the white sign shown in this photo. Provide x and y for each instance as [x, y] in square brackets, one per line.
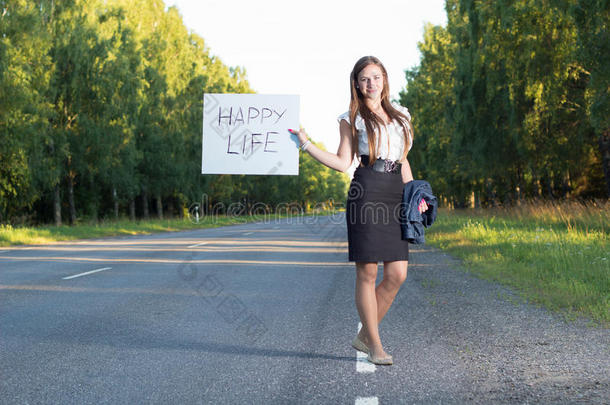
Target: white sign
[248, 134]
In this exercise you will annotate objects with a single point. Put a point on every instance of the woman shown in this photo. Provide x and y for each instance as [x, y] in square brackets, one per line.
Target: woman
[380, 133]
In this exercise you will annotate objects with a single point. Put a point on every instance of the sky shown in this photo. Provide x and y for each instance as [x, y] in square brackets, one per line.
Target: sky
[309, 48]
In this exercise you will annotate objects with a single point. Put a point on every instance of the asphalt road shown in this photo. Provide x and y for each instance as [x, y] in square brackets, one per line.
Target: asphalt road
[264, 313]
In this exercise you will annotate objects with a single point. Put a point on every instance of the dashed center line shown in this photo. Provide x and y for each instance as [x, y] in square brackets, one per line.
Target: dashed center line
[198, 244]
[86, 273]
[362, 364]
[367, 401]
[248, 233]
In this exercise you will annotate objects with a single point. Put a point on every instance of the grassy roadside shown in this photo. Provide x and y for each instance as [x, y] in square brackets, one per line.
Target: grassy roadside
[556, 255]
[49, 234]
[10, 236]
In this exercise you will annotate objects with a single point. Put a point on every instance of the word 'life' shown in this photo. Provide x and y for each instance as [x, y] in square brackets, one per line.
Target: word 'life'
[252, 115]
[251, 144]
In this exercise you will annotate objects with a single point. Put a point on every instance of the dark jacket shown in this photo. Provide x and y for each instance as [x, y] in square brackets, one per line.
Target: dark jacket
[411, 221]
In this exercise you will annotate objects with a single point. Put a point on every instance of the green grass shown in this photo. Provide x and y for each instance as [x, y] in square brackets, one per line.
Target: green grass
[24, 235]
[556, 255]
[47, 234]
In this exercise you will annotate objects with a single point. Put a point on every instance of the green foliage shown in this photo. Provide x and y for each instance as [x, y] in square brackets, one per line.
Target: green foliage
[508, 101]
[592, 18]
[24, 74]
[100, 109]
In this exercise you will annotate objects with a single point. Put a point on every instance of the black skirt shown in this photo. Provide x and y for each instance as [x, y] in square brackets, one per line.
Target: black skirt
[373, 217]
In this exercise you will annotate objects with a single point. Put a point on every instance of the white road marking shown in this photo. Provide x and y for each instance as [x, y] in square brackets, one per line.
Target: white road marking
[87, 272]
[367, 401]
[198, 244]
[248, 233]
[362, 364]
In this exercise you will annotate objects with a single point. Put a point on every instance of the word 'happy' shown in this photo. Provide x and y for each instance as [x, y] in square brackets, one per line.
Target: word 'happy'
[253, 114]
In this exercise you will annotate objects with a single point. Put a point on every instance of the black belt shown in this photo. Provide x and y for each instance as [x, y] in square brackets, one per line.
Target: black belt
[381, 165]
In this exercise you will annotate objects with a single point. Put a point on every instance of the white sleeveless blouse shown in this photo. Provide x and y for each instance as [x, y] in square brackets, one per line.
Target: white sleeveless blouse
[392, 130]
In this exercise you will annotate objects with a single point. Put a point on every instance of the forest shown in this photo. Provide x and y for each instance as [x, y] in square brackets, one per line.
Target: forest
[510, 102]
[101, 106]
[100, 118]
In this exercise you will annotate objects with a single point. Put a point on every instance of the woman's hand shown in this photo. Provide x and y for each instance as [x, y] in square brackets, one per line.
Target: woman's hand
[301, 134]
[339, 161]
[422, 207]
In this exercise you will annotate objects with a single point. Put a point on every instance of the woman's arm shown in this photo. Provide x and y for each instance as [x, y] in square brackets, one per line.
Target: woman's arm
[405, 171]
[407, 176]
[340, 161]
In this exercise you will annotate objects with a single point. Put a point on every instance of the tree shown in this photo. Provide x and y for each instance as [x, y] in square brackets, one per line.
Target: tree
[24, 74]
[500, 98]
[592, 20]
[101, 106]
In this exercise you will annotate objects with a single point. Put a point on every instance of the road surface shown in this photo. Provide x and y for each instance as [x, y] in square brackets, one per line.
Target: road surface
[264, 313]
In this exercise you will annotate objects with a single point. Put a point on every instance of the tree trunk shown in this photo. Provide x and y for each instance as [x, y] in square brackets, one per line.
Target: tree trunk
[159, 206]
[547, 187]
[57, 205]
[71, 199]
[519, 186]
[566, 186]
[170, 207]
[145, 204]
[116, 203]
[490, 193]
[132, 209]
[604, 149]
[56, 190]
[536, 185]
[180, 210]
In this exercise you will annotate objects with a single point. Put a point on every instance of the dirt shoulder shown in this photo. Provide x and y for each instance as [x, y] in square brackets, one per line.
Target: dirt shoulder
[509, 351]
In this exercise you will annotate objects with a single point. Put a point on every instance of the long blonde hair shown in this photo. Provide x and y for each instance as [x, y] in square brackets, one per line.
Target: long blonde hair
[373, 122]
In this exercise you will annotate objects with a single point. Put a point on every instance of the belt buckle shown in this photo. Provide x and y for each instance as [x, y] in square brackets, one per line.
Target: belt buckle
[385, 166]
[389, 166]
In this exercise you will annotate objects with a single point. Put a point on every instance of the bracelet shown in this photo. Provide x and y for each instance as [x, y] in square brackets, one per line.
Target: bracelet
[305, 145]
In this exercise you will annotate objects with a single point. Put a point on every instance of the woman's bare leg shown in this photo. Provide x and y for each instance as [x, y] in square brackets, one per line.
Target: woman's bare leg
[394, 274]
[366, 303]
